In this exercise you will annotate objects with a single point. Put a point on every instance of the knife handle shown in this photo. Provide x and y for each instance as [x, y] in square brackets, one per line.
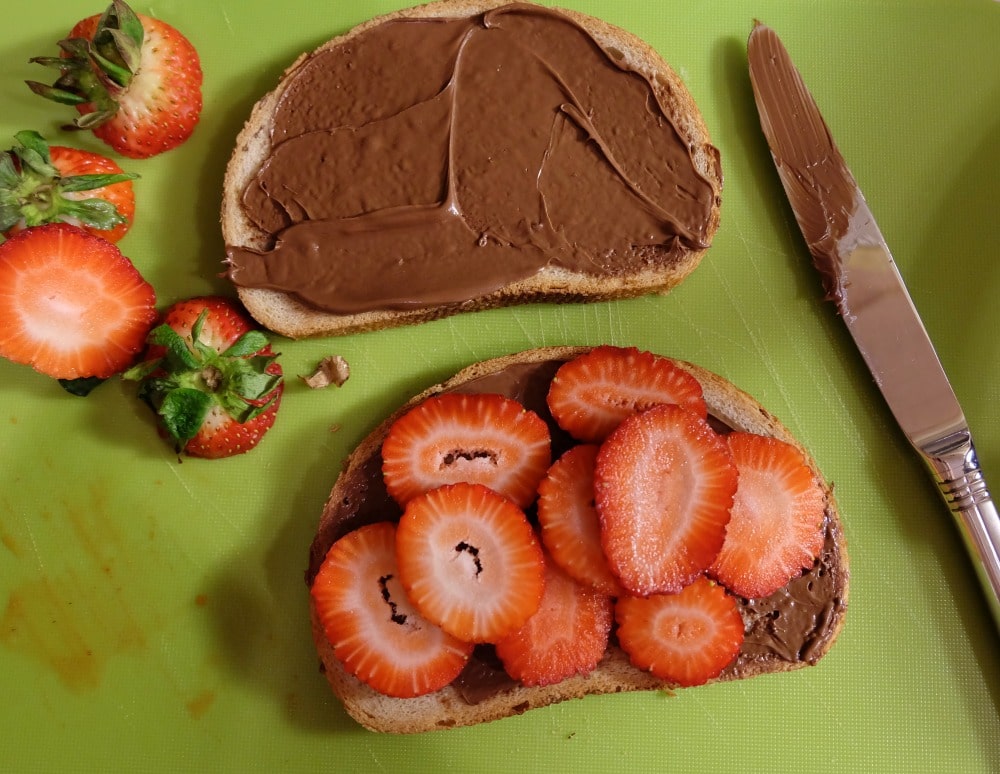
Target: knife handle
[960, 479]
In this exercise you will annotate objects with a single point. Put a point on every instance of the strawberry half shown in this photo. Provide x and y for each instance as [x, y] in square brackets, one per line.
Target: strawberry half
[686, 638]
[567, 516]
[567, 635]
[776, 528]
[664, 484]
[591, 394]
[71, 305]
[372, 627]
[469, 561]
[212, 379]
[39, 184]
[483, 438]
[135, 80]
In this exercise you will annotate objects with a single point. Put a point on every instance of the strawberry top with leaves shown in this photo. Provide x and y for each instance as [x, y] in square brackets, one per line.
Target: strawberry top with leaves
[212, 379]
[41, 184]
[135, 80]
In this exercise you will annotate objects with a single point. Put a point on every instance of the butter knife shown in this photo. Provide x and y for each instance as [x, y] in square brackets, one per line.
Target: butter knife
[861, 278]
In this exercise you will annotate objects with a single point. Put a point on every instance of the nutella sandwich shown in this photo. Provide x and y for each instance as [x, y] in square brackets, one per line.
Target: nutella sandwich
[465, 155]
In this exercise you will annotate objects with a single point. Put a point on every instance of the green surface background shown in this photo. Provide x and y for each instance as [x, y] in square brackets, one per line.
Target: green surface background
[153, 614]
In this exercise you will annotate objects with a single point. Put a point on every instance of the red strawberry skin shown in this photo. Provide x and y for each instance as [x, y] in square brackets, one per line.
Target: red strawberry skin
[664, 484]
[73, 161]
[71, 305]
[591, 394]
[43, 196]
[568, 635]
[776, 528]
[481, 438]
[159, 107]
[374, 630]
[222, 378]
[687, 638]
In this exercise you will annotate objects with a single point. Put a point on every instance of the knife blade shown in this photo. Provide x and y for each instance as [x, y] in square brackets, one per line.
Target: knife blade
[860, 276]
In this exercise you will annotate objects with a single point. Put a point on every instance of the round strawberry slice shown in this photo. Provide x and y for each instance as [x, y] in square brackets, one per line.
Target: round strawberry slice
[686, 638]
[71, 305]
[591, 394]
[776, 529]
[570, 528]
[663, 484]
[567, 635]
[480, 439]
[374, 630]
[469, 561]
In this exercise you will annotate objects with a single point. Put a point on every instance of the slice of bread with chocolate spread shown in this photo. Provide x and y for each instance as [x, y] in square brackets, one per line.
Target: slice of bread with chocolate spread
[464, 155]
[790, 628]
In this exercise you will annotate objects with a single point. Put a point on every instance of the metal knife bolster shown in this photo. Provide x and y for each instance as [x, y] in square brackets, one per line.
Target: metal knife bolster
[953, 463]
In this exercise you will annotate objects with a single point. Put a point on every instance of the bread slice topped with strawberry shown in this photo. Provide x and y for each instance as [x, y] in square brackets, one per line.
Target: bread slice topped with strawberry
[568, 521]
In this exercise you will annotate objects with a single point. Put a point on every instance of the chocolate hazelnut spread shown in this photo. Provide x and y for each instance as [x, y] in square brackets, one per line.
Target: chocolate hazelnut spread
[427, 161]
[793, 625]
[799, 137]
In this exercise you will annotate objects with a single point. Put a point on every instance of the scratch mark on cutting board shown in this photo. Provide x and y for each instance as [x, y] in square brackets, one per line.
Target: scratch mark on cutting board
[208, 506]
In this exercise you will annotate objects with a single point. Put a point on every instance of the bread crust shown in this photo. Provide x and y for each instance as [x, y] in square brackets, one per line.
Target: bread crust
[448, 708]
[284, 314]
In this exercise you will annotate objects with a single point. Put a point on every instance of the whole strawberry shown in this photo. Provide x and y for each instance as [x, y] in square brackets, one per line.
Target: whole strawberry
[41, 184]
[135, 80]
[212, 379]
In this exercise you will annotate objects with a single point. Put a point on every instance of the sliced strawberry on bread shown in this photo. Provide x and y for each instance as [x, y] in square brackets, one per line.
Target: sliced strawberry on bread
[71, 305]
[566, 636]
[663, 484]
[484, 439]
[686, 638]
[592, 393]
[776, 527]
[569, 526]
[469, 561]
[374, 630]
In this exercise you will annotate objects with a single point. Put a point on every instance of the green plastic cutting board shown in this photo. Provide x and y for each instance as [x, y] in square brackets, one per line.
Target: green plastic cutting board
[153, 615]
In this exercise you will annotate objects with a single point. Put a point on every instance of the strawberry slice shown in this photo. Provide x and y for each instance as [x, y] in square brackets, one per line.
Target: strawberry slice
[591, 394]
[373, 628]
[71, 305]
[567, 635]
[483, 439]
[776, 529]
[664, 483]
[469, 561]
[570, 528]
[686, 638]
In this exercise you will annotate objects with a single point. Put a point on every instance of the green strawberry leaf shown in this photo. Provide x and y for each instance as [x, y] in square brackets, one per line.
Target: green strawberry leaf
[140, 371]
[81, 387]
[90, 182]
[183, 411]
[179, 356]
[247, 344]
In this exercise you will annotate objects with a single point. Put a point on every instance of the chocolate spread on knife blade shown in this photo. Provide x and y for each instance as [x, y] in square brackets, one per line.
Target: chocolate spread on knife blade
[798, 137]
[429, 161]
[792, 625]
